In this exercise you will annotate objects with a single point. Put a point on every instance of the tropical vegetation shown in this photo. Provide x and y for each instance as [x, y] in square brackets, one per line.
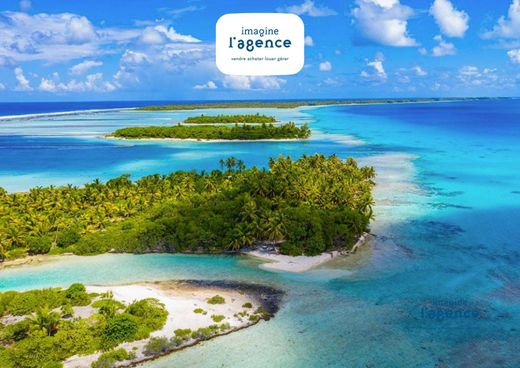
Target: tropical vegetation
[41, 336]
[309, 205]
[235, 132]
[230, 119]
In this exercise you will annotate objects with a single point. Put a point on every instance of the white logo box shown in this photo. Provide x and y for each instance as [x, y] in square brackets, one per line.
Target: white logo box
[260, 44]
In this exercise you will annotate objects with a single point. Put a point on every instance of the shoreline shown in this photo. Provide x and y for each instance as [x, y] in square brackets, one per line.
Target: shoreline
[180, 297]
[203, 140]
[299, 264]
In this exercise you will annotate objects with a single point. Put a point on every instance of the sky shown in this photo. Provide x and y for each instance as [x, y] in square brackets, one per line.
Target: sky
[165, 50]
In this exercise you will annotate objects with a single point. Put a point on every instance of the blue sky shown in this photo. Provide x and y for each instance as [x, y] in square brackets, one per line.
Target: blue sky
[164, 50]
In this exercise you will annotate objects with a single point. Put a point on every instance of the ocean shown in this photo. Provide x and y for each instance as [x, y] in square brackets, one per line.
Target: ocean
[439, 286]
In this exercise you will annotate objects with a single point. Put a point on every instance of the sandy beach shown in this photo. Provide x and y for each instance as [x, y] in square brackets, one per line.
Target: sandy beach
[203, 140]
[280, 262]
[180, 299]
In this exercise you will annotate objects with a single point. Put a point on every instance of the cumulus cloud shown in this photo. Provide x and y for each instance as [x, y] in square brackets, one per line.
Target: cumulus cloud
[471, 75]
[443, 48]
[326, 66]
[507, 27]
[383, 22]
[2, 87]
[92, 83]
[420, 72]
[23, 83]
[452, 22]
[161, 34]
[377, 72]
[308, 8]
[242, 82]
[209, 85]
[82, 67]
[66, 36]
[309, 41]
[514, 56]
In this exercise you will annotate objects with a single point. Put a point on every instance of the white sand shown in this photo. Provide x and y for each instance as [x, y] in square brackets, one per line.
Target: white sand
[180, 303]
[298, 264]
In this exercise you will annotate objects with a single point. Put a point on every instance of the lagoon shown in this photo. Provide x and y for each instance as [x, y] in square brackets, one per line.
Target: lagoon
[446, 232]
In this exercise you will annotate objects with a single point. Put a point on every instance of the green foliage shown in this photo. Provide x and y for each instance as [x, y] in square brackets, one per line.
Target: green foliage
[77, 294]
[236, 132]
[247, 305]
[216, 299]
[199, 311]
[157, 345]
[205, 333]
[305, 206]
[22, 303]
[68, 237]
[230, 119]
[122, 327]
[217, 318]
[151, 316]
[183, 333]
[39, 245]
[109, 358]
[15, 332]
[108, 307]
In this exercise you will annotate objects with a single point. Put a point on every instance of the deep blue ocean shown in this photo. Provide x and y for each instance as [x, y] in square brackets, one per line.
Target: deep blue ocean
[439, 286]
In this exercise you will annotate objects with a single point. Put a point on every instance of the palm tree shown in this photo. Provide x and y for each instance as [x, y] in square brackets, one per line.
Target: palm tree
[45, 320]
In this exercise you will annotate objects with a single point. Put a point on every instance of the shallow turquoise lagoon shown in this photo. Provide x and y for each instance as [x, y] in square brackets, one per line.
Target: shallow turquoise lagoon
[438, 287]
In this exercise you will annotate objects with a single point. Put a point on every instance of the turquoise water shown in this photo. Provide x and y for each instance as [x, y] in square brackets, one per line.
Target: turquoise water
[438, 287]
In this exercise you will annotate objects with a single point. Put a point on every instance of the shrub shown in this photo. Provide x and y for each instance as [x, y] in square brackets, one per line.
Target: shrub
[217, 318]
[15, 332]
[157, 345]
[291, 249]
[121, 327]
[183, 333]
[107, 360]
[77, 294]
[39, 245]
[68, 237]
[247, 305]
[217, 299]
[199, 311]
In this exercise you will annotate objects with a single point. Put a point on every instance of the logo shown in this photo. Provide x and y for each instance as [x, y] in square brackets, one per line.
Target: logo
[260, 44]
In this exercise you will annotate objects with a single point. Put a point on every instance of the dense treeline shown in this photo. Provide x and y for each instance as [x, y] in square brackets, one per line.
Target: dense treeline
[231, 119]
[285, 104]
[236, 132]
[307, 206]
[47, 330]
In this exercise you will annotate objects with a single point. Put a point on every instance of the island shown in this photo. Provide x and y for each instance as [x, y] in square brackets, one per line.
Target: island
[237, 132]
[230, 119]
[307, 206]
[104, 326]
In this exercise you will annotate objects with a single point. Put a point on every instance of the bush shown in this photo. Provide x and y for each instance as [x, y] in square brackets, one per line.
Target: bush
[157, 345]
[39, 245]
[15, 332]
[107, 360]
[217, 318]
[217, 299]
[68, 237]
[121, 327]
[77, 294]
[199, 311]
[291, 249]
[247, 305]
[183, 333]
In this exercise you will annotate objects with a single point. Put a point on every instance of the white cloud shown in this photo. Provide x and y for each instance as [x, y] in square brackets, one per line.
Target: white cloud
[308, 8]
[92, 83]
[452, 22]
[443, 48]
[471, 75]
[209, 85]
[132, 58]
[243, 82]
[384, 22]
[422, 51]
[309, 41]
[66, 36]
[420, 72]
[326, 66]
[25, 5]
[23, 83]
[507, 27]
[378, 70]
[514, 56]
[161, 34]
[2, 87]
[84, 66]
